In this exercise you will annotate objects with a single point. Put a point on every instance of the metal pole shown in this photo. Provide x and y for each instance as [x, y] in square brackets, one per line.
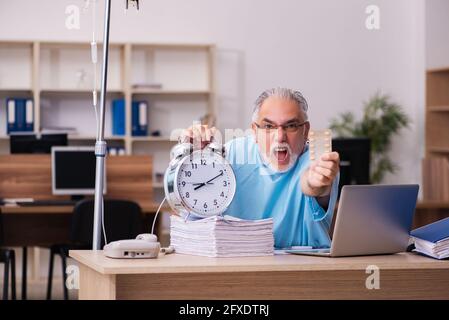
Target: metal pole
[100, 145]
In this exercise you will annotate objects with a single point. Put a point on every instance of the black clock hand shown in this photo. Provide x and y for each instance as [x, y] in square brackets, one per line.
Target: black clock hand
[207, 182]
[215, 177]
[199, 186]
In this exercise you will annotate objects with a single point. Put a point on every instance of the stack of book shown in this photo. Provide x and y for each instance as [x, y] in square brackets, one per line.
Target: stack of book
[433, 239]
[219, 236]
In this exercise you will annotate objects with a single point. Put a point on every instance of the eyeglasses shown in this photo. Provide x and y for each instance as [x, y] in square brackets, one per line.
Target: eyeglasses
[290, 127]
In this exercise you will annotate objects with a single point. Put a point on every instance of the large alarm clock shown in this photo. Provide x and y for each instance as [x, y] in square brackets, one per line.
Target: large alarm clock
[199, 182]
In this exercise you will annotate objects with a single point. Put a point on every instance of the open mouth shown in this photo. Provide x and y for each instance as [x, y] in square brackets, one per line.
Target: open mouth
[281, 154]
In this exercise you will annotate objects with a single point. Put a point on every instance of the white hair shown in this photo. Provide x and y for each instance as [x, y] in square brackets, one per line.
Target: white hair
[283, 93]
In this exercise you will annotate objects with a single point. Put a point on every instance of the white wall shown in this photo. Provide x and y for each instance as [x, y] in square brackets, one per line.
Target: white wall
[319, 47]
[437, 33]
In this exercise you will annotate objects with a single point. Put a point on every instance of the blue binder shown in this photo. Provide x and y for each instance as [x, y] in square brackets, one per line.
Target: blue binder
[433, 232]
[118, 117]
[29, 115]
[139, 118]
[10, 115]
[20, 115]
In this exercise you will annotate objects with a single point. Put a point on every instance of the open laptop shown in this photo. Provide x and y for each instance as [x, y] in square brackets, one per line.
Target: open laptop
[371, 219]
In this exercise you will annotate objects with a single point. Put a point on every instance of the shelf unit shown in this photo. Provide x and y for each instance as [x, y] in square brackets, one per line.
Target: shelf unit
[436, 163]
[177, 81]
[437, 111]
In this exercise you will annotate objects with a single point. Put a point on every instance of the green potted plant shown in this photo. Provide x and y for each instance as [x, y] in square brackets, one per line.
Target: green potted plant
[381, 120]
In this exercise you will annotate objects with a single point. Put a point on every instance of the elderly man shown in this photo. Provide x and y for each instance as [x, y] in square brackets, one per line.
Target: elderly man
[274, 176]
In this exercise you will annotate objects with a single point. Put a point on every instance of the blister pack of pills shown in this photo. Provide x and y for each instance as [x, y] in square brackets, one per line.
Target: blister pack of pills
[320, 142]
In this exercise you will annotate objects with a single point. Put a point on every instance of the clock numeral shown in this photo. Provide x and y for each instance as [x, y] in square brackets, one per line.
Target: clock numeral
[222, 194]
[205, 205]
[213, 165]
[215, 202]
[188, 173]
[203, 162]
[187, 195]
[195, 201]
[183, 183]
[225, 184]
[194, 166]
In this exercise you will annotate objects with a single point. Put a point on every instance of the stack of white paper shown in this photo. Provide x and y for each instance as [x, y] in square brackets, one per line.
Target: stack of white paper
[219, 236]
[438, 249]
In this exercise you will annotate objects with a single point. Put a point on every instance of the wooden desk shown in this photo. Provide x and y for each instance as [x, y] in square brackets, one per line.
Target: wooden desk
[47, 225]
[29, 176]
[402, 276]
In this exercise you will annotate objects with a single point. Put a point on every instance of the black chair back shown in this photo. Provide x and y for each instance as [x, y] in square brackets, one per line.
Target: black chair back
[2, 234]
[122, 220]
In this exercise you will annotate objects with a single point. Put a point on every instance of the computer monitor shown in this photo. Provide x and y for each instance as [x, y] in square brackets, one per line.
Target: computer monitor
[73, 171]
[354, 160]
[31, 143]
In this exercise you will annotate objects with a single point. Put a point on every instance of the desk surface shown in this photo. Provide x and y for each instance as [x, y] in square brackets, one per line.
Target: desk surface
[178, 263]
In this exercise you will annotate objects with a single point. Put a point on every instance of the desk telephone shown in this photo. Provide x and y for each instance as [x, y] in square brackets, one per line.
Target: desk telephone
[144, 246]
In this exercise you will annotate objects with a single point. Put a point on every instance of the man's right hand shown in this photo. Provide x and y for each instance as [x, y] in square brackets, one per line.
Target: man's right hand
[198, 135]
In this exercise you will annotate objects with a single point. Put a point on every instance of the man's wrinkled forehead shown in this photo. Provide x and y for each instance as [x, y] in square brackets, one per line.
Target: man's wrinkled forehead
[281, 111]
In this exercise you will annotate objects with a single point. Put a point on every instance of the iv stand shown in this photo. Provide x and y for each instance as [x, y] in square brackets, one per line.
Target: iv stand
[100, 145]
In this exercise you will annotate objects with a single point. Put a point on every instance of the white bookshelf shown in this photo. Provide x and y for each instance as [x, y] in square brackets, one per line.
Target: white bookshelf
[16, 66]
[177, 81]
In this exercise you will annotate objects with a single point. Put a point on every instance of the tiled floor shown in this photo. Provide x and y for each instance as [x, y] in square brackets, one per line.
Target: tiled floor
[37, 279]
[37, 290]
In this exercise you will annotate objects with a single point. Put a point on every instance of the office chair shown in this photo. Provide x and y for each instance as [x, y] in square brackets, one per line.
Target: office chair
[7, 256]
[122, 220]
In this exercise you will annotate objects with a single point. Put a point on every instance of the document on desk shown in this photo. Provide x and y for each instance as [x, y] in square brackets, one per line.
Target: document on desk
[222, 236]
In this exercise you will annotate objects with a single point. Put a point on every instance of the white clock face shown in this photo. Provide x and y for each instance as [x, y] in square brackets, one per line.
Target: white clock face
[205, 183]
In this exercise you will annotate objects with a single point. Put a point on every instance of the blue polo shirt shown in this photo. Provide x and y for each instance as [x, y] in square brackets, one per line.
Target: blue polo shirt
[263, 193]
